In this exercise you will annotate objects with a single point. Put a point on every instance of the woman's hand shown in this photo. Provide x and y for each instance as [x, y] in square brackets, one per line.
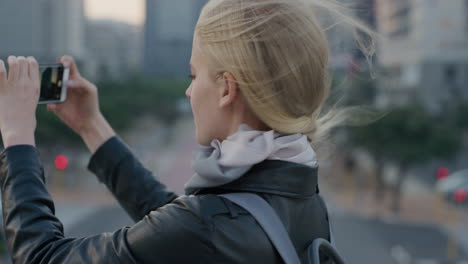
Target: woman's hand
[81, 109]
[19, 95]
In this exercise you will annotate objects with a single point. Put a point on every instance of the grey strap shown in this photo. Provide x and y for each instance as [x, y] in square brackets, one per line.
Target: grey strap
[332, 238]
[269, 221]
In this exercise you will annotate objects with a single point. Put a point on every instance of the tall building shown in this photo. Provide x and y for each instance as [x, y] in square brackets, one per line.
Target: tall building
[113, 49]
[168, 36]
[365, 11]
[344, 53]
[45, 29]
[423, 52]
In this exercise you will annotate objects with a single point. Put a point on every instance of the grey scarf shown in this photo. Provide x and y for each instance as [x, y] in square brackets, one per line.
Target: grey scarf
[228, 160]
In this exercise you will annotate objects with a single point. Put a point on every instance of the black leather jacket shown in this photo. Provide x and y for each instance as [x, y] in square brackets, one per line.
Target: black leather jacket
[198, 228]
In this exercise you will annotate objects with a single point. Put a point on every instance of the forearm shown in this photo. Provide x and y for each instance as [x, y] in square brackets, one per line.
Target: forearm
[18, 138]
[96, 133]
[112, 161]
[32, 232]
[134, 186]
[28, 211]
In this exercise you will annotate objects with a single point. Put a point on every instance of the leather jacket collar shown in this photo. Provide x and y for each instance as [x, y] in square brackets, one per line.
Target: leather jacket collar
[274, 177]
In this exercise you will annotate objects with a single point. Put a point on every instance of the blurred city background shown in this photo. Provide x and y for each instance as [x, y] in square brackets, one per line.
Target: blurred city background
[396, 189]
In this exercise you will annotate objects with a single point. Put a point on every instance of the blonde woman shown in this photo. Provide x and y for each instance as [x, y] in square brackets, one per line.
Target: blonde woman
[259, 80]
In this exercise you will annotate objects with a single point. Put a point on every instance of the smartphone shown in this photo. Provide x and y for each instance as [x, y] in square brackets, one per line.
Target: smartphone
[54, 78]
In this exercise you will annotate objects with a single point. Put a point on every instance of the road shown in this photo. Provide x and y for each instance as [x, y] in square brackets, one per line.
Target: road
[364, 241]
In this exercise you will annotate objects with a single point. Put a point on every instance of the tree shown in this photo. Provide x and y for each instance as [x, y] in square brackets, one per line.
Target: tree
[120, 102]
[407, 136]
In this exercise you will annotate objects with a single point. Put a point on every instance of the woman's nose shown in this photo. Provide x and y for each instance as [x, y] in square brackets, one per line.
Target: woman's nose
[188, 92]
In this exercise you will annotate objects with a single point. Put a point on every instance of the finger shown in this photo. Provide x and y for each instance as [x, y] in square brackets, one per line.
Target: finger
[13, 68]
[33, 69]
[3, 73]
[23, 68]
[69, 62]
[34, 74]
[79, 86]
[51, 107]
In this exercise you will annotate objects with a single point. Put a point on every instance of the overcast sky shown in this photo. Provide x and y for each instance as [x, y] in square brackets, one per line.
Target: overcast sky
[130, 11]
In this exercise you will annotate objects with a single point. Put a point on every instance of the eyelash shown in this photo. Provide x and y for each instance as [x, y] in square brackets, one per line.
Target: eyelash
[191, 76]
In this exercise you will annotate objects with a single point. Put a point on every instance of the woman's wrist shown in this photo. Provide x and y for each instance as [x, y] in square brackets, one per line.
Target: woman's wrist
[96, 132]
[18, 139]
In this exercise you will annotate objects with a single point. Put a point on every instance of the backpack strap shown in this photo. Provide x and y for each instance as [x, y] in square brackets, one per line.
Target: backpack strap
[269, 221]
[332, 238]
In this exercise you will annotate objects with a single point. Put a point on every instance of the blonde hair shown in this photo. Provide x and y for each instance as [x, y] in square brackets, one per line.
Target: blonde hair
[278, 52]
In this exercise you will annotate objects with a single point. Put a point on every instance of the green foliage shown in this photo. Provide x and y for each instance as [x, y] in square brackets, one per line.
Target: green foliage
[408, 135]
[460, 115]
[362, 90]
[121, 101]
[2, 247]
[359, 91]
[51, 129]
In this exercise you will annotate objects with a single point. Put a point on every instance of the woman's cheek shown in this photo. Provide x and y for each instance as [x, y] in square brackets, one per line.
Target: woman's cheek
[195, 109]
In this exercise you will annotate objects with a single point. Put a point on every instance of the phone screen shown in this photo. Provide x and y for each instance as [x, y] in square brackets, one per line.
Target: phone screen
[51, 82]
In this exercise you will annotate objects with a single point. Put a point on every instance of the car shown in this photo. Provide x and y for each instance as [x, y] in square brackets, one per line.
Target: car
[449, 185]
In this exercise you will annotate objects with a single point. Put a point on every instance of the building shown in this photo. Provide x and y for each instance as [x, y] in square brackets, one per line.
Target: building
[423, 52]
[113, 49]
[46, 29]
[365, 11]
[168, 36]
[345, 55]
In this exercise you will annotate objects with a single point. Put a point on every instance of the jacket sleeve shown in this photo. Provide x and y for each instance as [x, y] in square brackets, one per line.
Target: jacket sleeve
[34, 235]
[134, 186]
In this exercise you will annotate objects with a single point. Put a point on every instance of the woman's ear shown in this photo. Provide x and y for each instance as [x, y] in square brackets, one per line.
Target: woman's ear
[229, 91]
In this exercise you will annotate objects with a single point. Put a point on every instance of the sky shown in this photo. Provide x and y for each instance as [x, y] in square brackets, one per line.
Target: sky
[130, 11]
